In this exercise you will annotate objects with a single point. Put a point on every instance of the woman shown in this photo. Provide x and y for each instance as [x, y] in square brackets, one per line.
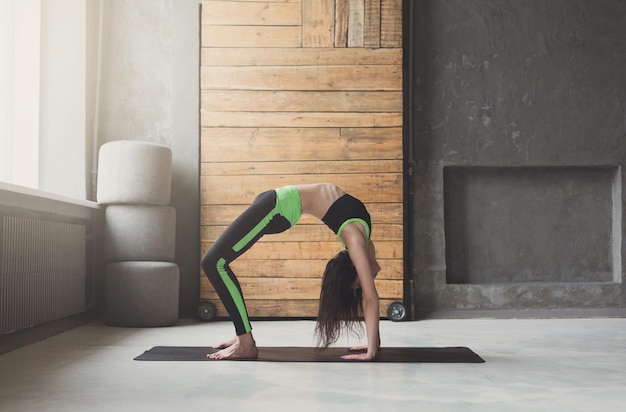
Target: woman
[348, 283]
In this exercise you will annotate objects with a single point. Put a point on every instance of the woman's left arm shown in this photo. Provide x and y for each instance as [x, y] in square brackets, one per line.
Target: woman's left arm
[357, 248]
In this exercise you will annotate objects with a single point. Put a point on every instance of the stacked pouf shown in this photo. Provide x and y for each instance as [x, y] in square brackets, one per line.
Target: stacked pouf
[141, 280]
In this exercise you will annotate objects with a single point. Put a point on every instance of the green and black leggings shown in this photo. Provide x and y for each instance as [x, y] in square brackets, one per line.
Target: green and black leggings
[271, 212]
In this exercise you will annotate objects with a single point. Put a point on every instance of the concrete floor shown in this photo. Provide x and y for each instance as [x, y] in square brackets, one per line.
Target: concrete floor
[531, 365]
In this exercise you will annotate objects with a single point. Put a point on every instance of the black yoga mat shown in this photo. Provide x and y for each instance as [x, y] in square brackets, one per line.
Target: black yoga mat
[305, 354]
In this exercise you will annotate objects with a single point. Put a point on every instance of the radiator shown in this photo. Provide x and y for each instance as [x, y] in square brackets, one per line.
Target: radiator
[42, 271]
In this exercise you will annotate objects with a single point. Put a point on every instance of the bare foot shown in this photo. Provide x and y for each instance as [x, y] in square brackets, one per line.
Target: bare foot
[243, 347]
[225, 344]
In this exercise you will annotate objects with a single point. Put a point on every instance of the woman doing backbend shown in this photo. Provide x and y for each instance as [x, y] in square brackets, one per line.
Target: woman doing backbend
[348, 289]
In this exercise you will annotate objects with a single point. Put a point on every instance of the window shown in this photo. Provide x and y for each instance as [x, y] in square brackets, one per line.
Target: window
[44, 94]
[19, 91]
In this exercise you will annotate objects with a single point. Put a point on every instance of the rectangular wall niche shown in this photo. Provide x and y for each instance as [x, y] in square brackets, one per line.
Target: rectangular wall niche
[532, 224]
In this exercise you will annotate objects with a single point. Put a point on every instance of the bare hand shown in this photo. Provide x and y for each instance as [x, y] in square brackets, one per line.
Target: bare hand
[358, 357]
[358, 348]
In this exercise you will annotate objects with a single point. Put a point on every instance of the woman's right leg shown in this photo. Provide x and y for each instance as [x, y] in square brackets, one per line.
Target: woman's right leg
[259, 219]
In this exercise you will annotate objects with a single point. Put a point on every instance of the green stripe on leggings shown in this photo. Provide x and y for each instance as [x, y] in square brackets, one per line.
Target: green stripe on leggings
[234, 292]
[255, 231]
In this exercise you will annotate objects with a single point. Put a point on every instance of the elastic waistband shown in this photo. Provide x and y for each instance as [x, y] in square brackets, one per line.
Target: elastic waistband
[289, 204]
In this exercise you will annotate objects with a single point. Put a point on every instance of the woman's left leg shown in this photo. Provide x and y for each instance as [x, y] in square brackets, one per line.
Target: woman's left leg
[260, 218]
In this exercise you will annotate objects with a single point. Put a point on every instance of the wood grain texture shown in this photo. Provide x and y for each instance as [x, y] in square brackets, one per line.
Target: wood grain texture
[305, 249]
[391, 23]
[293, 288]
[300, 119]
[221, 215]
[313, 232]
[276, 56]
[304, 144]
[286, 308]
[371, 32]
[252, 13]
[284, 100]
[315, 78]
[342, 9]
[300, 168]
[251, 36]
[318, 23]
[356, 20]
[301, 101]
[235, 190]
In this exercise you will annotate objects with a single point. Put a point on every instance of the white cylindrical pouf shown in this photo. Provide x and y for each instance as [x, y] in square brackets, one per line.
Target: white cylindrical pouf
[141, 294]
[134, 172]
[139, 232]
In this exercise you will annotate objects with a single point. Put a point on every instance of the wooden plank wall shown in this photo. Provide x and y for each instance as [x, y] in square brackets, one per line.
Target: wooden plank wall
[297, 92]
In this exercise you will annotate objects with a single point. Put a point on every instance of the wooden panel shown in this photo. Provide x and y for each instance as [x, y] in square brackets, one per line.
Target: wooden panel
[299, 119]
[243, 189]
[311, 250]
[318, 23]
[379, 77]
[293, 288]
[341, 23]
[204, 2]
[304, 268]
[286, 144]
[311, 232]
[251, 36]
[251, 13]
[288, 308]
[391, 269]
[315, 232]
[391, 23]
[371, 32]
[285, 101]
[220, 215]
[300, 101]
[267, 56]
[297, 168]
[356, 19]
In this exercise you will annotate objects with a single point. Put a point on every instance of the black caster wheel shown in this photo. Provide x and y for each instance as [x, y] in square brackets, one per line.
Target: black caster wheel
[206, 311]
[397, 312]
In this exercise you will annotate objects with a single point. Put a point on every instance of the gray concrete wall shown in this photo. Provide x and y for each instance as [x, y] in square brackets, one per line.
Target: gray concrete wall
[511, 86]
[150, 92]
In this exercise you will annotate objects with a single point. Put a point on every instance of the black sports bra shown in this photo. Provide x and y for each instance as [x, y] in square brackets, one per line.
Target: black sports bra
[345, 210]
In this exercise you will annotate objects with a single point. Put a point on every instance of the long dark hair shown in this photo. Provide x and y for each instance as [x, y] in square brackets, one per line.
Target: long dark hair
[340, 303]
